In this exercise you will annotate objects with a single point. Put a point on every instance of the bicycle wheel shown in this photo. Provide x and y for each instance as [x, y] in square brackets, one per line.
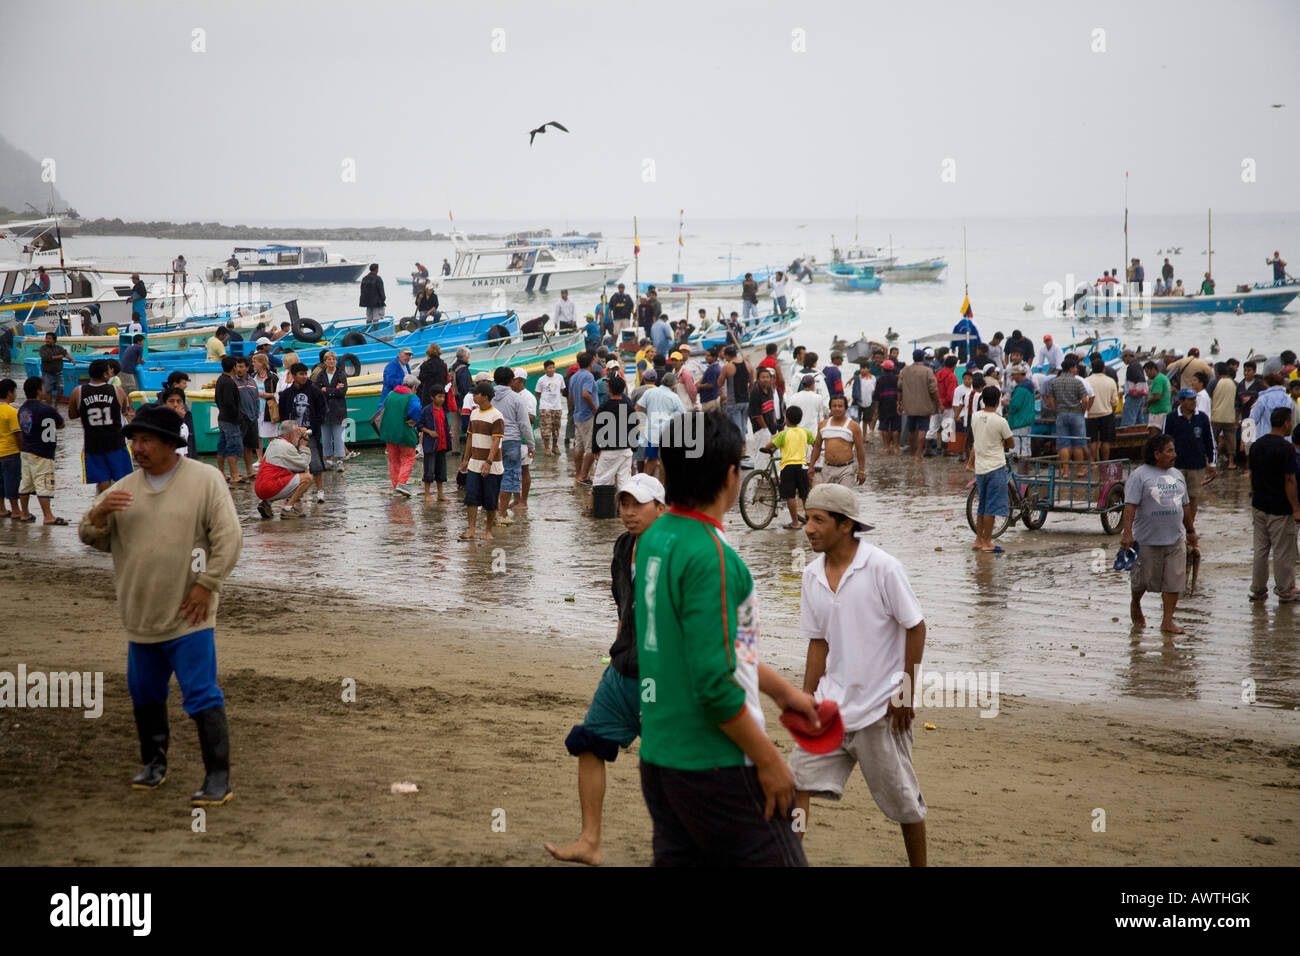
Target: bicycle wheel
[1035, 516]
[758, 499]
[1000, 522]
[1113, 514]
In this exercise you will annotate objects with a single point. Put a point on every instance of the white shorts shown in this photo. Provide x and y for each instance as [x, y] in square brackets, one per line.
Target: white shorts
[288, 489]
[885, 759]
[1024, 442]
[1156, 421]
[613, 468]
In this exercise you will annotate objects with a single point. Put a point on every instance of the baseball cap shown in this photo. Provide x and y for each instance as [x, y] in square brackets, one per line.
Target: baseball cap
[521, 373]
[676, 355]
[644, 488]
[264, 341]
[806, 381]
[483, 377]
[836, 498]
[822, 741]
[1047, 338]
[887, 363]
[649, 375]
[1020, 368]
[1187, 393]
[929, 353]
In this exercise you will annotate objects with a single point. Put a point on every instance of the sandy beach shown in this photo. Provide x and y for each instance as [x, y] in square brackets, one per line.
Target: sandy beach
[477, 719]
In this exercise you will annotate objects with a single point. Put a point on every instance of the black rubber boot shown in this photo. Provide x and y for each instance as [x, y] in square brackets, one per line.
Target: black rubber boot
[151, 725]
[214, 741]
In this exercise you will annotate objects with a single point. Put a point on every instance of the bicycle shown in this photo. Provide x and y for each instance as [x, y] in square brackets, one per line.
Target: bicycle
[1023, 507]
[760, 494]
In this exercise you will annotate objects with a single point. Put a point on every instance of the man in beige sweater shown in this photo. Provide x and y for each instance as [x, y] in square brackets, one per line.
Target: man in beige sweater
[174, 535]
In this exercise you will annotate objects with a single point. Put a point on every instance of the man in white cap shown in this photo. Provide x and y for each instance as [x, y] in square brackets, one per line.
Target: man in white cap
[520, 387]
[866, 636]
[266, 347]
[613, 720]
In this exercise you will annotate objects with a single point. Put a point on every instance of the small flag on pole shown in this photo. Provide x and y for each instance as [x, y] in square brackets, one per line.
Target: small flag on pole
[636, 245]
[681, 226]
[966, 310]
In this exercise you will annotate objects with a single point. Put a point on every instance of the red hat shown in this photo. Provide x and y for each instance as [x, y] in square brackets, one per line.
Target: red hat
[822, 741]
[1047, 338]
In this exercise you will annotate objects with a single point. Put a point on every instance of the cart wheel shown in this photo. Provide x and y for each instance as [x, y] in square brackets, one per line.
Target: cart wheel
[758, 499]
[1113, 513]
[1035, 515]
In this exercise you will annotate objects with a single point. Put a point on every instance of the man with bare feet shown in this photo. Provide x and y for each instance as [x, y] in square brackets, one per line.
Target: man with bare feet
[482, 464]
[614, 718]
[1156, 512]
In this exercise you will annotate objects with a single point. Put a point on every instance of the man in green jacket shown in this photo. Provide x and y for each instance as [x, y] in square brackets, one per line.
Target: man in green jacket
[397, 427]
[1022, 411]
[174, 535]
[710, 776]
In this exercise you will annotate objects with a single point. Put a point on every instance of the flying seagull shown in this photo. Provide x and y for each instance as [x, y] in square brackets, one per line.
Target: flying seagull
[1278, 106]
[542, 129]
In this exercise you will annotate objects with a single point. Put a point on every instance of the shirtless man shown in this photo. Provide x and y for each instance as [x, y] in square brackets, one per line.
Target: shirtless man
[840, 437]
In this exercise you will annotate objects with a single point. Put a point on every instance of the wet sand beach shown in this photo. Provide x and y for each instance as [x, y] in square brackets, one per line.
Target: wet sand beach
[471, 666]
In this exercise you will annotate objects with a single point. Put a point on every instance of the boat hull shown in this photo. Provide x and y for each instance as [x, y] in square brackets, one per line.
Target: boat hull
[1259, 299]
[551, 281]
[927, 271]
[329, 272]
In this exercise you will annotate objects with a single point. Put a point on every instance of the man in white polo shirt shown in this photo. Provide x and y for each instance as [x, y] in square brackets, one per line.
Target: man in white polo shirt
[865, 631]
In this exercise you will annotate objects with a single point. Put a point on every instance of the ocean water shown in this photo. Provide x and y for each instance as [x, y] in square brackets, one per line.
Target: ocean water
[1006, 264]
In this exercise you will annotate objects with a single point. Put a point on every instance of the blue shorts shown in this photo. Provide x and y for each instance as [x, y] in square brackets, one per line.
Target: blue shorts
[992, 491]
[651, 452]
[512, 479]
[230, 439]
[916, 423]
[11, 475]
[109, 466]
[613, 720]
[482, 491]
[1070, 430]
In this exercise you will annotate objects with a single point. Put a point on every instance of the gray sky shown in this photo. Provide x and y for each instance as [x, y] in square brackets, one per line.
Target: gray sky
[736, 123]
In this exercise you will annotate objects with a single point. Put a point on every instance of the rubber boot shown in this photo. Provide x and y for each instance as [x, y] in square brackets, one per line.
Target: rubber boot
[214, 741]
[151, 725]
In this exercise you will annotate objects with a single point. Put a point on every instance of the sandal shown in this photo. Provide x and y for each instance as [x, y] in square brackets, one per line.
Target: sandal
[61, 522]
[465, 536]
[791, 526]
[27, 520]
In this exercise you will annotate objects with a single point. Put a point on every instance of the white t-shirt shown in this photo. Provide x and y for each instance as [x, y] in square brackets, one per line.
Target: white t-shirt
[813, 406]
[778, 288]
[1203, 402]
[866, 389]
[530, 403]
[959, 401]
[865, 623]
[548, 387]
[990, 430]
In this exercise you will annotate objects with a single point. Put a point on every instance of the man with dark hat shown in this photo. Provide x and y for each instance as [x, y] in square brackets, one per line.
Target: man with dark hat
[174, 535]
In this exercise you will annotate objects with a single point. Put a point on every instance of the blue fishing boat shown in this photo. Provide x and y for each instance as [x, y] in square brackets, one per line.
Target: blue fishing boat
[756, 334]
[724, 288]
[927, 270]
[1260, 297]
[854, 278]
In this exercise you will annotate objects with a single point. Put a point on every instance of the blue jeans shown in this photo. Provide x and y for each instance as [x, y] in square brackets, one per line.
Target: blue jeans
[52, 382]
[992, 490]
[332, 441]
[1135, 412]
[512, 479]
[739, 415]
[193, 658]
[749, 310]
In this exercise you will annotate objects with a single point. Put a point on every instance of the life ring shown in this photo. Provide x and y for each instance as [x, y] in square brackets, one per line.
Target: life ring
[308, 330]
[353, 338]
[350, 364]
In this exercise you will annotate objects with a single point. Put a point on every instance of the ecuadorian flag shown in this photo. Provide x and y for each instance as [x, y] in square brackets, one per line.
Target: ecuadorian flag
[966, 310]
[636, 245]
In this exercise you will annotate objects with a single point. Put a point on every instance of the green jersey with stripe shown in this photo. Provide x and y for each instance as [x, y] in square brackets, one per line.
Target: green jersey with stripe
[697, 643]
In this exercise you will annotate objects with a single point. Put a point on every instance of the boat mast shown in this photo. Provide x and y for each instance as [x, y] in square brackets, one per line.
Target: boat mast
[681, 226]
[1126, 260]
[1209, 245]
[636, 256]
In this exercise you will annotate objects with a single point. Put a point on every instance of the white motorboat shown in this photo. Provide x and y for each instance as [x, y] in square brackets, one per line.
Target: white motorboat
[530, 268]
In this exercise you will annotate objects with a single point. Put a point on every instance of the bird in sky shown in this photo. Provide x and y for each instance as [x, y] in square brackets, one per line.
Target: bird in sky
[532, 133]
[1278, 106]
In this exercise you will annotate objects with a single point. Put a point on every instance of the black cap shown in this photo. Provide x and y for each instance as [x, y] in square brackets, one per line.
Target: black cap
[157, 420]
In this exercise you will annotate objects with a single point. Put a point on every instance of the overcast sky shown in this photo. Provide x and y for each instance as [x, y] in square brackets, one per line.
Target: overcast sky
[713, 93]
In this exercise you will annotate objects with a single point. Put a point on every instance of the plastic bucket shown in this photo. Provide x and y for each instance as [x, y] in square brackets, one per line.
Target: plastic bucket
[604, 500]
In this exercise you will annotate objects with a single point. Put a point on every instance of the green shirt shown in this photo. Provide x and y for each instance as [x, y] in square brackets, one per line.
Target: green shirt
[1161, 404]
[697, 643]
